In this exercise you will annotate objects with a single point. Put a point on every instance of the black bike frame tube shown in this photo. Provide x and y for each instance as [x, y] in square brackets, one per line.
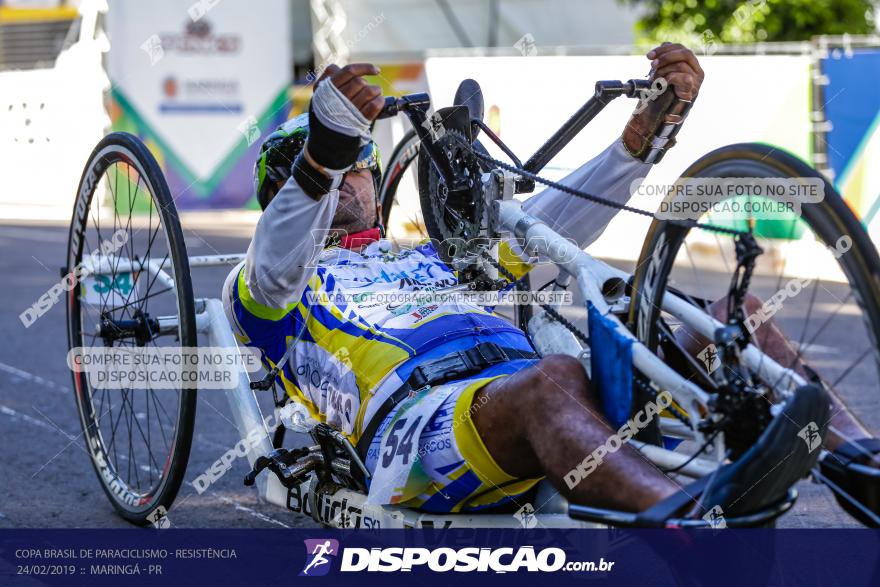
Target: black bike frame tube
[416, 107]
[418, 118]
[565, 134]
[605, 92]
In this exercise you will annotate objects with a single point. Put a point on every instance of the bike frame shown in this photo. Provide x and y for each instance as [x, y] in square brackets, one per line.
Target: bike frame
[600, 284]
[347, 508]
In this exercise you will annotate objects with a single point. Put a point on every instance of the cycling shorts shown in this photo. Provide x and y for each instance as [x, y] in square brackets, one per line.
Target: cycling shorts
[449, 469]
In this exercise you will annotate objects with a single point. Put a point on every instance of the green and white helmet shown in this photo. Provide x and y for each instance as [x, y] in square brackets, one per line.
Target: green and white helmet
[281, 148]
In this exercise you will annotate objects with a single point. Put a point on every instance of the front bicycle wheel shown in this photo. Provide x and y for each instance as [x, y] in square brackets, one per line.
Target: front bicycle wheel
[127, 251]
[818, 281]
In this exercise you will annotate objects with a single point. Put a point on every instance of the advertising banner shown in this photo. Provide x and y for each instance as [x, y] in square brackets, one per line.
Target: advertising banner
[202, 84]
[852, 106]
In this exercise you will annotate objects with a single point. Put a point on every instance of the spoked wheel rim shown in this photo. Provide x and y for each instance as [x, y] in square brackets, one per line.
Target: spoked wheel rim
[138, 437]
[813, 298]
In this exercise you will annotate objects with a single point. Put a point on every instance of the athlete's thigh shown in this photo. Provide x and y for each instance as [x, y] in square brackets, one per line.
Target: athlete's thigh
[507, 409]
[463, 474]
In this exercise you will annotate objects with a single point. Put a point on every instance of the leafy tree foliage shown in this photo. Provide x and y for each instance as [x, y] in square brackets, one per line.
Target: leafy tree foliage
[750, 21]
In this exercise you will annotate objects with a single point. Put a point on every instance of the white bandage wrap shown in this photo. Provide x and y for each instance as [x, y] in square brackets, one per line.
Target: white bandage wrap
[337, 112]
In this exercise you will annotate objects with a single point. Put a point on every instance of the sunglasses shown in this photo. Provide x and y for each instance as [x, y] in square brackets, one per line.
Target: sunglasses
[368, 158]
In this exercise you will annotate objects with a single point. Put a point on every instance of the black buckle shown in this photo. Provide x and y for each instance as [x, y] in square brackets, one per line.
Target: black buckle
[456, 365]
[487, 353]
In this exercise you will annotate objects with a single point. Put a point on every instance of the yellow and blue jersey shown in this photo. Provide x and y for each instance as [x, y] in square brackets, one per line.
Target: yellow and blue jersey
[352, 351]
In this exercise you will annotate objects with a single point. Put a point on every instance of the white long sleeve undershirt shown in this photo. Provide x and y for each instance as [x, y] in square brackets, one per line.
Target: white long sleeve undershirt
[291, 232]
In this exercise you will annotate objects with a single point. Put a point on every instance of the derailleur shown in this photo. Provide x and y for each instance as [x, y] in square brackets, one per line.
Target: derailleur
[743, 409]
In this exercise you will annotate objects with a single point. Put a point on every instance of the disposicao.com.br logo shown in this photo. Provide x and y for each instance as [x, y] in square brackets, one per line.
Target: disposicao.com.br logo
[443, 559]
[319, 553]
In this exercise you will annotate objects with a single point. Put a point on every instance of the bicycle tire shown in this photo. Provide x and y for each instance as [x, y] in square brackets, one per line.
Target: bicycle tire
[136, 506]
[405, 152]
[829, 220]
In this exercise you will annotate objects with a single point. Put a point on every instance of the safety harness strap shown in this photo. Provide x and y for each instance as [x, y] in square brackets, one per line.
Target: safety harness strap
[455, 365]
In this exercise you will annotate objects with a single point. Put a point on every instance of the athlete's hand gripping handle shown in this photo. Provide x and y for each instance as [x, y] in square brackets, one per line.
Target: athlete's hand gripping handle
[341, 111]
[676, 77]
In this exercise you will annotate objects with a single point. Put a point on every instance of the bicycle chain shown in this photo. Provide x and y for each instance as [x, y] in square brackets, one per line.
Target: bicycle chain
[513, 281]
[604, 201]
[747, 250]
[671, 408]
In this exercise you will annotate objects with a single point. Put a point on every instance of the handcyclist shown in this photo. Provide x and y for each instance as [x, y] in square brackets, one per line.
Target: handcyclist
[484, 438]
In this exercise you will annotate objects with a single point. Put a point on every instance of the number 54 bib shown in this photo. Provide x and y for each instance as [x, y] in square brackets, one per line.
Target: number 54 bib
[399, 475]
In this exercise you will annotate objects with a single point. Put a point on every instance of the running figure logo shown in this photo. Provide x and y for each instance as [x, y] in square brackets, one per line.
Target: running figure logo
[318, 553]
[811, 435]
[526, 516]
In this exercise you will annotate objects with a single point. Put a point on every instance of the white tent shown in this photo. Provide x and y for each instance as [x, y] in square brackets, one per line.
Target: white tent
[410, 27]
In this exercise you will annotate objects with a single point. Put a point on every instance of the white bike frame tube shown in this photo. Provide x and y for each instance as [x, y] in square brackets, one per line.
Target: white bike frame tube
[108, 264]
[346, 509]
[215, 260]
[539, 239]
[766, 368]
[666, 459]
[246, 414]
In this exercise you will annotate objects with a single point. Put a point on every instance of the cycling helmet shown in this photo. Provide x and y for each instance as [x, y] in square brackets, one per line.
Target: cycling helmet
[281, 148]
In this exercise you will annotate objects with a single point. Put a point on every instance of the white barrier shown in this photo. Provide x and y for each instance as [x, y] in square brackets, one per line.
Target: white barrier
[744, 98]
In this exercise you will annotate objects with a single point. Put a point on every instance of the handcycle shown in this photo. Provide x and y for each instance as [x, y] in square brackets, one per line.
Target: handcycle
[144, 295]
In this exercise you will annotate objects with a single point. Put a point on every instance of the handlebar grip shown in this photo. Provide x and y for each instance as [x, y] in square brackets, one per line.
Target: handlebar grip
[391, 108]
[394, 106]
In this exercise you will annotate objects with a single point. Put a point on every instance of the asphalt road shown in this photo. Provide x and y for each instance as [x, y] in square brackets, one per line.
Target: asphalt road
[47, 478]
[45, 474]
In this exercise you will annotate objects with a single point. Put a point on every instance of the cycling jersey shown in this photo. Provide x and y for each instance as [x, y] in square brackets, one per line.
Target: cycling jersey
[356, 343]
[352, 349]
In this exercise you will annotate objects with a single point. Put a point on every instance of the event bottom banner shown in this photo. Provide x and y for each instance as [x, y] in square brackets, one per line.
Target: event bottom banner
[437, 556]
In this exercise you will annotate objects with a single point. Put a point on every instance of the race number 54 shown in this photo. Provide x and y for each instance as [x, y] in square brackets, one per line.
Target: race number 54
[399, 442]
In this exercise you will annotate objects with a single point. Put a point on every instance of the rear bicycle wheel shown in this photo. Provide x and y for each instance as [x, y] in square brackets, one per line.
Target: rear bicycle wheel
[405, 152]
[137, 293]
[398, 193]
[818, 279]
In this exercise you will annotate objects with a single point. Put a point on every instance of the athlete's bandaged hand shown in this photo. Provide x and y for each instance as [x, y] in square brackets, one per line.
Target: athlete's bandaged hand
[676, 78]
[349, 80]
[340, 113]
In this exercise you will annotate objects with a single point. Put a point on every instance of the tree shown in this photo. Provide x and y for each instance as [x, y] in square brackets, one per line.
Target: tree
[750, 21]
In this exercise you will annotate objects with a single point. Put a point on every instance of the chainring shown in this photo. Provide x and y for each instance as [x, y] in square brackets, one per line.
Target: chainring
[455, 220]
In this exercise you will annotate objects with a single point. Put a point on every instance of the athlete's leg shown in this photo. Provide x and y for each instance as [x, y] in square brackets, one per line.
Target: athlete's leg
[543, 421]
[770, 339]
